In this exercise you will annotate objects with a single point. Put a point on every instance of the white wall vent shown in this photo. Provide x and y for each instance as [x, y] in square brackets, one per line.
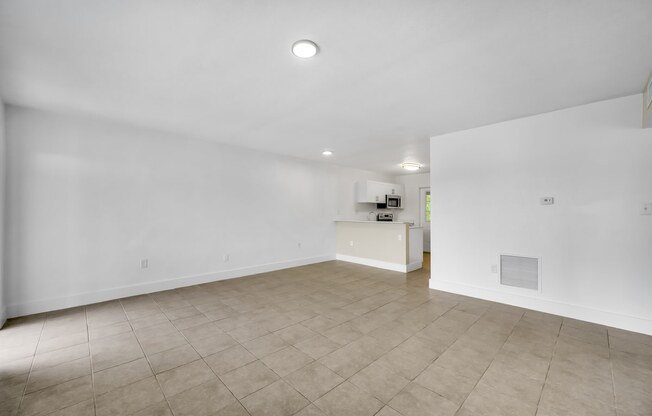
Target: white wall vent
[520, 272]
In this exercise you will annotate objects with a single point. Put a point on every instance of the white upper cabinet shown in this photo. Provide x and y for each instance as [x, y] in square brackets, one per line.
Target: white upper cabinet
[374, 192]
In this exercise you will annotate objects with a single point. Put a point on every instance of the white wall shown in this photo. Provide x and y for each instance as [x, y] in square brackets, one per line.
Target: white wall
[596, 247]
[87, 200]
[3, 166]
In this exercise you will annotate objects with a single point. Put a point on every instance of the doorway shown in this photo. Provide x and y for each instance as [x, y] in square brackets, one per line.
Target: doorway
[425, 206]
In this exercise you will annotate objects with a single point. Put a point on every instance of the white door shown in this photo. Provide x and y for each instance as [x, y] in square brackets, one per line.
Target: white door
[425, 217]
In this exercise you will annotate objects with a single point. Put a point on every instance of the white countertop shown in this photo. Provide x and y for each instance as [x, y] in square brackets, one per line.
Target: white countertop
[381, 222]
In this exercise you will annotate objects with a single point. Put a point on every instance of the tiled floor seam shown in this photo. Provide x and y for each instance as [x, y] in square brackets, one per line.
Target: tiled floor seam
[222, 381]
[118, 365]
[240, 400]
[393, 348]
[204, 361]
[554, 347]
[281, 378]
[613, 378]
[410, 380]
[146, 358]
[543, 386]
[491, 362]
[90, 357]
[31, 367]
[371, 310]
[344, 380]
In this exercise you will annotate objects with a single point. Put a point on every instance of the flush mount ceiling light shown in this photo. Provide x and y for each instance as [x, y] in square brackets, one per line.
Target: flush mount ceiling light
[304, 48]
[410, 166]
[327, 152]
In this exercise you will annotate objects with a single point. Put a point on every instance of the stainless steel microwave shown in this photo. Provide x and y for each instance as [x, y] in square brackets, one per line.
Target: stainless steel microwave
[393, 201]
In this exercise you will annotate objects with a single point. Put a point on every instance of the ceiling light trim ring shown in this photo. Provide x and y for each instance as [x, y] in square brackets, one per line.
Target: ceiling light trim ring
[304, 49]
[411, 166]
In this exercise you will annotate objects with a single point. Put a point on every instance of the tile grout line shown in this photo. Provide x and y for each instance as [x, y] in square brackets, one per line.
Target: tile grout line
[55, 366]
[31, 367]
[489, 365]
[552, 357]
[613, 377]
[299, 369]
[90, 356]
[146, 357]
[367, 334]
[279, 299]
[298, 322]
[203, 360]
[430, 363]
[263, 363]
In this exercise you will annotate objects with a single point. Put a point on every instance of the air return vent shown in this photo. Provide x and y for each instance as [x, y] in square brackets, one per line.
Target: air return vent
[519, 272]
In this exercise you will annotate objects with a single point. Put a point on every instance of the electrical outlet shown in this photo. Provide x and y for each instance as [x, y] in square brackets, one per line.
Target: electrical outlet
[351, 243]
[299, 244]
[546, 200]
[400, 237]
[226, 257]
[646, 209]
[494, 268]
[144, 263]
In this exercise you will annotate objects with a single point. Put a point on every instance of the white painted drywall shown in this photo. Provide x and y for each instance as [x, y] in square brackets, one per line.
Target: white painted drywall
[386, 242]
[3, 167]
[595, 246]
[88, 199]
[412, 202]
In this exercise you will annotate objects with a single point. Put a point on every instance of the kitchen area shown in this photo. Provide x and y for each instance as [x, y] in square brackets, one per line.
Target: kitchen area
[387, 238]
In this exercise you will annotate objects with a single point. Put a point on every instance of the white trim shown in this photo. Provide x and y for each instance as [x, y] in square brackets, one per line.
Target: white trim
[86, 298]
[584, 313]
[397, 267]
[416, 265]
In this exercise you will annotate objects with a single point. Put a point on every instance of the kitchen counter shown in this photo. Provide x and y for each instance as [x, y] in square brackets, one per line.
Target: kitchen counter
[383, 222]
[391, 245]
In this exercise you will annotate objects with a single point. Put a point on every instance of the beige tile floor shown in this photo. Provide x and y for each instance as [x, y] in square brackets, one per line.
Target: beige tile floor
[328, 339]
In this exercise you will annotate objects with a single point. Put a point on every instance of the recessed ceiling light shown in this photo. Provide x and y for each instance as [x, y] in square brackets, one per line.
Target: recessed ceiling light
[411, 166]
[327, 152]
[304, 48]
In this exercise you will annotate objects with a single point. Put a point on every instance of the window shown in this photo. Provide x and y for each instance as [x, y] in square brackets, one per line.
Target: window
[427, 206]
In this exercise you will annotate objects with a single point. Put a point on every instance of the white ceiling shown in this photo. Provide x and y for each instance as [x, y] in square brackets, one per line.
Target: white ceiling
[390, 73]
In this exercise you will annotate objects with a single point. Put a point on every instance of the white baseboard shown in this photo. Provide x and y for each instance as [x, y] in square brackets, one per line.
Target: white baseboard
[397, 267]
[79, 299]
[414, 266]
[584, 313]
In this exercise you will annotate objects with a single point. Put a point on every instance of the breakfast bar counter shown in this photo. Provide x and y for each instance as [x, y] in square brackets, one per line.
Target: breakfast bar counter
[387, 245]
